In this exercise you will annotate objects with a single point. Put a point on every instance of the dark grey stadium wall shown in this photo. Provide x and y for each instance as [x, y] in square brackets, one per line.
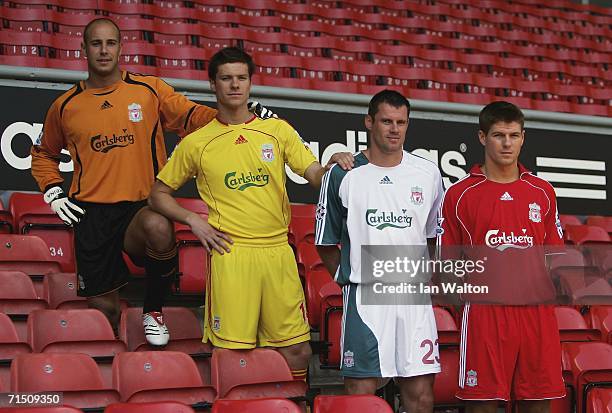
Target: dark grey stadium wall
[577, 163]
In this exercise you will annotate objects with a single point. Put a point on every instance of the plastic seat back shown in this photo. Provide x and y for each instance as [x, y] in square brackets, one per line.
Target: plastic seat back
[86, 331]
[60, 291]
[158, 376]
[601, 318]
[18, 295]
[314, 281]
[331, 324]
[76, 375]
[573, 327]
[256, 373]
[351, 403]
[448, 333]
[255, 406]
[153, 407]
[33, 216]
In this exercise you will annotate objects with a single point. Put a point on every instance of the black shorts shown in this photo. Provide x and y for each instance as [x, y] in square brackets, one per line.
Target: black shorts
[98, 246]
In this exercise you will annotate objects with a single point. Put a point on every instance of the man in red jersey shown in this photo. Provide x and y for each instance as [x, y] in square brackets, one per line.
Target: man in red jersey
[507, 351]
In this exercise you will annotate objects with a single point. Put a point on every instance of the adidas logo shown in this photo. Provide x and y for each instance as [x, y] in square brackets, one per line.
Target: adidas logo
[106, 105]
[506, 197]
[385, 181]
[241, 139]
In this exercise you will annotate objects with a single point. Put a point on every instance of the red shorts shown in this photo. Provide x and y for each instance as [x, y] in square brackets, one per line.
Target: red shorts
[510, 352]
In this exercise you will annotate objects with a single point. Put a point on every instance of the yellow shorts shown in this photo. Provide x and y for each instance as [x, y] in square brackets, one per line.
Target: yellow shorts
[254, 298]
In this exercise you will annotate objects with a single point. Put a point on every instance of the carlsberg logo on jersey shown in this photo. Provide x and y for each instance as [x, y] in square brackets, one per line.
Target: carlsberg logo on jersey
[244, 180]
[504, 241]
[385, 219]
[105, 143]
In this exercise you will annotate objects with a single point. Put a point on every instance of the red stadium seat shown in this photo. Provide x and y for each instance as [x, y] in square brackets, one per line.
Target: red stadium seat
[446, 383]
[153, 407]
[60, 291]
[27, 253]
[590, 366]
[56, 409]
[602, 222]
[303, 229]
[18, 295]
[250, 374]
[599, 400]
[80, 331]
[362, 403]
[584, 286]
[573, 327]
[33, 216]
[23, 248]
[85, 331]
[10, 346]
[152, 376]
[330, 324]
[303, 210]
[308, 257]
[581, 234]
[314, 281]
[571, 257]
[75, 375]
[6, 220]
[194, 267]
[448, 333]
[18, 299]
[186, 335]
[255, 406]
[600, 317]
[185, 326]
[193, 204]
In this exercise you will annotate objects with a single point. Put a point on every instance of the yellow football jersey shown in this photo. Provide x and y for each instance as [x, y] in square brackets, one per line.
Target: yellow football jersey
[240, 174]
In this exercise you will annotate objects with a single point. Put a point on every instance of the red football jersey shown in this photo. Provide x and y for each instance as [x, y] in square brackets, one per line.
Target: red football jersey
[503, 222]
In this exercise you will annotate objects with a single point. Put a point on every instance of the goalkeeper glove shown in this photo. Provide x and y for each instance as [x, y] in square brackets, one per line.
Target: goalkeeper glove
[260, 110]
[60, 204]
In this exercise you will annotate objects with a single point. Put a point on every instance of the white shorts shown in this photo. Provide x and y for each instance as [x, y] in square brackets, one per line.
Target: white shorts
[387, 340]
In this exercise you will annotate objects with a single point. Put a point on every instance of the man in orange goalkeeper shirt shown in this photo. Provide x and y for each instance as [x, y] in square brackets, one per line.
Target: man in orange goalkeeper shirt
[112, 124]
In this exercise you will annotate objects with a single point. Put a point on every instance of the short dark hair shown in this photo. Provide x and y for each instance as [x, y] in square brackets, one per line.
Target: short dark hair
[390, 97]
[96, 21]
[229, 55]
[499, 111]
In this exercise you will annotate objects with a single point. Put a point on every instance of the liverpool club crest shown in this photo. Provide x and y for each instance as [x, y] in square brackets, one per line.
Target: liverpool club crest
[534, 212]
[416, 195]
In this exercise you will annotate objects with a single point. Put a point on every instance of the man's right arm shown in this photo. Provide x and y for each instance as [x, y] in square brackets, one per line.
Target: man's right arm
[45, 168]
[161, 200]
[180, 168]
[46, 152]
[330, 255]
[329, 217]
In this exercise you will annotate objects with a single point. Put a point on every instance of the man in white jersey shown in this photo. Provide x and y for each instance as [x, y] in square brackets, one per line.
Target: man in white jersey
[389, 198]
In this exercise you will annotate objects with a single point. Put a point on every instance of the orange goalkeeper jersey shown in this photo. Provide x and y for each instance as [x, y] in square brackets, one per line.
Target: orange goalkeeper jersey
[115, 136]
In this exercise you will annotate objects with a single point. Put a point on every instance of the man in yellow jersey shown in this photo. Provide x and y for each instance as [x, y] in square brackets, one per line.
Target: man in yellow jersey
[254, 295]
[112, 124]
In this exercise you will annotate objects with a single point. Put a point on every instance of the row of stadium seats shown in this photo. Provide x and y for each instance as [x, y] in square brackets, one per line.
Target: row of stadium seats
[587, 262]
[264, 30]
[322, 404]
[28, 214]
[428, 57]
[155, 376]
[169, 375]
[417, 67]
[400, 14]
[563, 10]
